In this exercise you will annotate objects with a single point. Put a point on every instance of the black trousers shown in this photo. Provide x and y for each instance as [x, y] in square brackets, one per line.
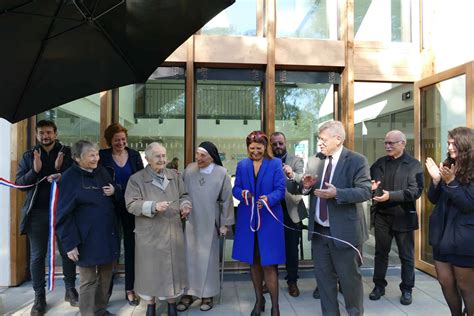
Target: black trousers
[384, 235]
[38, 232]
[128, 225]
[292, 241]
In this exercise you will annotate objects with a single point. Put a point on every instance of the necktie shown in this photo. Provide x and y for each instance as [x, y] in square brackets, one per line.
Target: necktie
[323, 203]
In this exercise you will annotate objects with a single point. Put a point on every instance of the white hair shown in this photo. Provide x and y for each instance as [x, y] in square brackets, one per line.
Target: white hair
[399, 133]
[149, 149]
[334, 127]
[81, 147]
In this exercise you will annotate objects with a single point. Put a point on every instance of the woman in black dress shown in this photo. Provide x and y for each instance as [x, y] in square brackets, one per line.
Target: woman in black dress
[451, 230]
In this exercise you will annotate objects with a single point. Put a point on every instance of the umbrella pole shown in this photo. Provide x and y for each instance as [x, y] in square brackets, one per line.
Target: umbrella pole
[222, 268]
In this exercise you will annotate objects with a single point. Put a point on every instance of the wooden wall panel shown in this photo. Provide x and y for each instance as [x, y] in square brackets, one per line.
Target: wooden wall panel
[189, 105]
[269, 105]
[230, 49]
[309, 52]
[394, 62]
[18, 246]
[106, 101]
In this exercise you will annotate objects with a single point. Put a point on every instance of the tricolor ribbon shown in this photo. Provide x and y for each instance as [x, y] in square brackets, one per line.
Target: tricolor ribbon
[269, 209]
[53, 199]
[250, 201]
[52, 223]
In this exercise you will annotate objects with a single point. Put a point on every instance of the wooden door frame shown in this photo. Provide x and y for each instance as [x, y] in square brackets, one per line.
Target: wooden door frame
[467, 70]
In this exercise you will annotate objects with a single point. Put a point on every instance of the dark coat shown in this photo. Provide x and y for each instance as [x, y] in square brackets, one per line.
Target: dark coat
[408, 186]
[451, 226]
[136, 164]
[86, 218]
[25, 175]
[271, 241]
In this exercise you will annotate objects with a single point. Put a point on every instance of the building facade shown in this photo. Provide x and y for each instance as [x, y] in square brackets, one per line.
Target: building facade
[281, 65]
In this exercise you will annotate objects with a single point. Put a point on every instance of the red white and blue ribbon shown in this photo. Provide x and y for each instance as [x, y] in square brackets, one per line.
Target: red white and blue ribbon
[269, 209]
[52, 223]
[52, 234]
[249, 200]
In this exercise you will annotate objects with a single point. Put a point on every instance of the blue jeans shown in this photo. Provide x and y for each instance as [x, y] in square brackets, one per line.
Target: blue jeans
[38, 231]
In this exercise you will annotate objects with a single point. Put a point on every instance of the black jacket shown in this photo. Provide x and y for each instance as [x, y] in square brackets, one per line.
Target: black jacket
[408, 186]
[452, 220]
[25, 175]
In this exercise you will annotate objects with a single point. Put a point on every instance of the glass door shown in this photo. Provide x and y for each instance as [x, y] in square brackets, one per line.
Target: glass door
[442, 102]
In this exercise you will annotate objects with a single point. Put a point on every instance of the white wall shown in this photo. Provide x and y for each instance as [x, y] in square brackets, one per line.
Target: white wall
[5, 273]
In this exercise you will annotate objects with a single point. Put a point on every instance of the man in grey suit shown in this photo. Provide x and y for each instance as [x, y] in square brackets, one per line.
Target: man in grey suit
[294, 210]
[337, 179]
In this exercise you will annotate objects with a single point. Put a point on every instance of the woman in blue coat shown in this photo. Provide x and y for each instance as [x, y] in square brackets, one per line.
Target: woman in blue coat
[86, 222]
[451, 231]
[259, 238]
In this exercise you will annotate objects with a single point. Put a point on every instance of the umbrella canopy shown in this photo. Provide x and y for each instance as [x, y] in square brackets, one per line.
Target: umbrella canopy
[56, 51]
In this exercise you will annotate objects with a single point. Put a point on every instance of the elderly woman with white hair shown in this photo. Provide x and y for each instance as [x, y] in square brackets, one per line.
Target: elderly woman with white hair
[86, 222]
[157, 197]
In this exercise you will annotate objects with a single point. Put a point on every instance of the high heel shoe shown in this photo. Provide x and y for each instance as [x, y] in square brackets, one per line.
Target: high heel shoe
[255, 311]
[151, 310]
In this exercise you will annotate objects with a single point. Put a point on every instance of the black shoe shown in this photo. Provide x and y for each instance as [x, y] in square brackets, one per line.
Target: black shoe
[151, 310]
[316, 295]
[256, 311]
[172, 309]
[39, 306]
[376, 293]
[406, 298]
[135, 301]
[72, 297]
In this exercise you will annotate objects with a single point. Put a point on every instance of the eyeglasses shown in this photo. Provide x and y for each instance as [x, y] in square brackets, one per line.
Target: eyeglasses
[324, 141]
[392, 143]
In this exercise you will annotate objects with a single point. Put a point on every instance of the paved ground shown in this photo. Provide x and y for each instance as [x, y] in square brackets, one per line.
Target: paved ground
[238, 298]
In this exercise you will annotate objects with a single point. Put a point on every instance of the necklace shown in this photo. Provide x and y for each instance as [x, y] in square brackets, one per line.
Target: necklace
[201, 181]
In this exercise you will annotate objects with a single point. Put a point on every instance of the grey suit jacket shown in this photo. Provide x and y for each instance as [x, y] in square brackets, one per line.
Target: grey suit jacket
[352, 181]
[293, 199]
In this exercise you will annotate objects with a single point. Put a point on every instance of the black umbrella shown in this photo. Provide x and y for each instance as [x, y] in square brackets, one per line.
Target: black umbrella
[56, 51]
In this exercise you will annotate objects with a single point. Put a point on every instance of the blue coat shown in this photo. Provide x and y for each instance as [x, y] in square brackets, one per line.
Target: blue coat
[86, 218]
[271, 241]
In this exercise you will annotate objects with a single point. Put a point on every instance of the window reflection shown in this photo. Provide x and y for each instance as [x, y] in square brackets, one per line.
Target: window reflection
[154, 111]
[238, 19]
[307, 19]
[377, 21]
[443, 107]
[228, 107]
[303, 101]
[76, 120]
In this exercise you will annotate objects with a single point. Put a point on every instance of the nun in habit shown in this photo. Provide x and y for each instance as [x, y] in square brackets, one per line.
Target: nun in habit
[210, 190]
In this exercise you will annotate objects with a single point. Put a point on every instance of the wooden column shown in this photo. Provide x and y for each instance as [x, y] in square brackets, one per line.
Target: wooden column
[346, 115]
[189, 119]
[115, 105]
[269, 104]
[105, 115]
[18, 246]
[260, 17]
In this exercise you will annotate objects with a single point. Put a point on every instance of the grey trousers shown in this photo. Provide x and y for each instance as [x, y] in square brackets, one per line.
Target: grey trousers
[332, 264]
[95, 282]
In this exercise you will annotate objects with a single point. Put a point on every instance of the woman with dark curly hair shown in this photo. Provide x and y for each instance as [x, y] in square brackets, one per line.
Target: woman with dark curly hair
[451, 230]
[123, 162]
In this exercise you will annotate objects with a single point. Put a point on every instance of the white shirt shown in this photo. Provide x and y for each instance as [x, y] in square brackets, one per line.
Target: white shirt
[335, 159]
[208, 169]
